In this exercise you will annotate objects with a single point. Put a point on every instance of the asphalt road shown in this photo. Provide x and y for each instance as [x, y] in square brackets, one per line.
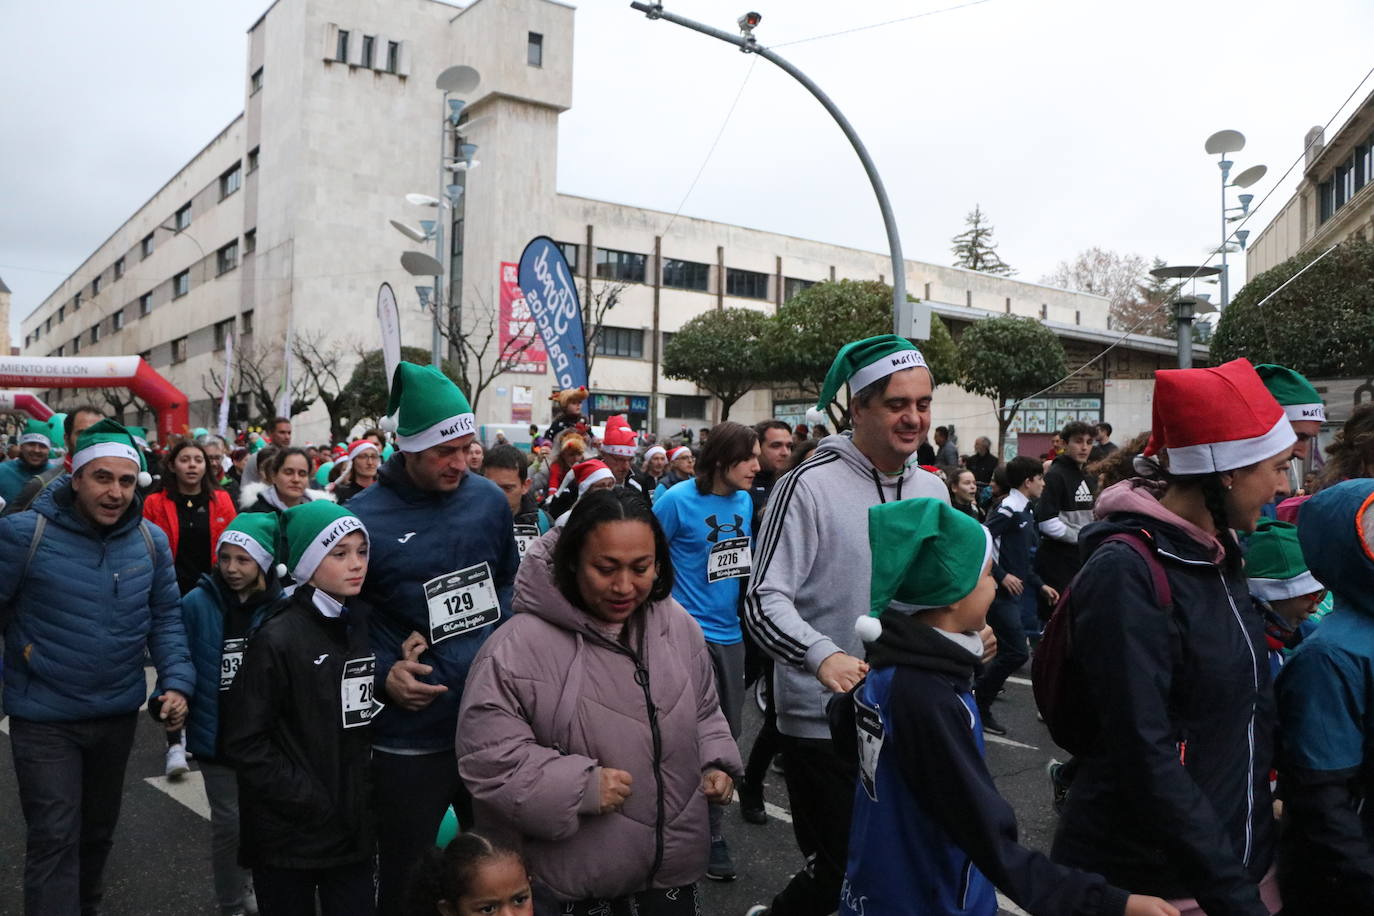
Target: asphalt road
[161, 862]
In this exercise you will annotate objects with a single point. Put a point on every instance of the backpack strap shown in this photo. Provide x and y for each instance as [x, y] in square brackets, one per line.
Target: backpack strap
[1142, 543]
[38, 527]
[148, 541]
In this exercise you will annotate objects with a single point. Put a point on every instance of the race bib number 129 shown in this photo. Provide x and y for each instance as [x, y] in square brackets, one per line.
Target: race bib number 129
[461, 601]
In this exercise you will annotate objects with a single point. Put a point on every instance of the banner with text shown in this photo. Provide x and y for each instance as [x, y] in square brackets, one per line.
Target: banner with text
[551, 296]
[518, 333]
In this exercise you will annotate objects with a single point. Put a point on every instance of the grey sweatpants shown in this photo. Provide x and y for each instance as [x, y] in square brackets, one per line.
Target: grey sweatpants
[729, 664]
[222, 792]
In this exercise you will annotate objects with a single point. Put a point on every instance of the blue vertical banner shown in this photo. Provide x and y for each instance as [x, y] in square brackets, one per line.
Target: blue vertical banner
[551, 295]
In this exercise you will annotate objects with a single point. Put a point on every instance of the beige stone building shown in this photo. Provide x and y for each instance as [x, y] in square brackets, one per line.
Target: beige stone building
[281, 223]
[1334, 200]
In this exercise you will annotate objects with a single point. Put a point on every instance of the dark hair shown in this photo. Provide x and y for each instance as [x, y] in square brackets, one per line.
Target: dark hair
[374, 431]
[447, 874]
[1351, 452]
[510, 458]
[279, 456]
[1105, 427]
[762, 427]
[1076, 428]
[1213, 497]
[593, 510]
[952, 479]
[277, 421]
[942, 430]
[802, 451]
[169, 460]
[1120, 464]
[727, 444]
[69, 421]
[1003, 482]
[1022, 468]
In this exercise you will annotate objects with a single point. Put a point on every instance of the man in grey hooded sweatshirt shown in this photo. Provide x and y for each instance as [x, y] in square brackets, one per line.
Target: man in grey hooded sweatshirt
[810, 583]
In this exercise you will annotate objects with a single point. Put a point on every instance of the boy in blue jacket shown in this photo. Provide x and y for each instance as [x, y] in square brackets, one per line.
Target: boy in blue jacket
[931, 836]
[228, 604]
[1326, 711]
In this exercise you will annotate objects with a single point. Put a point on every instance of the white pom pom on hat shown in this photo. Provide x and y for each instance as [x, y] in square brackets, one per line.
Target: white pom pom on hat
[281, 570]
[387, 424]
[868, 628]
[145, 480]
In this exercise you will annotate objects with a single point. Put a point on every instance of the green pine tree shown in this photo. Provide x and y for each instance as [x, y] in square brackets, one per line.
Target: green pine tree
[974, 248]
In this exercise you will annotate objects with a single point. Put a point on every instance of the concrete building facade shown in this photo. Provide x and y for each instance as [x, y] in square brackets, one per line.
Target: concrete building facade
[1334, 200]
[280, 226]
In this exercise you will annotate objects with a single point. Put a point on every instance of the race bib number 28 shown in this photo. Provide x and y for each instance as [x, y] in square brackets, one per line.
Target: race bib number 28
[461, 601]
[356, 691]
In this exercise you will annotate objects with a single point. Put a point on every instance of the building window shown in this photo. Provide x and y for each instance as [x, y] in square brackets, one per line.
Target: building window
[255, 82]
[95, 285]
[246, 321]
[119, 320]
[222, 331]
[179, 350]
[619, 265]
[229, 182]
[47, 325]
[76, 345]
[250, 241]
[1326, 201]
[61, 313]
[368, 42]
[393, 56]
[686, 274]
[253, 160]
[227, 258]
[534, 50]
[183, 217]
[181, 284]
[76, 302]
[341, 52]
[747, 284]
[119, 268]
[146, 246]
[626, 342]
[145, 304]
[95, 333]
[569, 250]
[685, 407]
[791, 286]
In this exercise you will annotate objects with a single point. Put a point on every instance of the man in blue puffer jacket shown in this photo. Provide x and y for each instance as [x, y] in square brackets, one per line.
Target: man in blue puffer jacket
[85, 586]
[440, 576]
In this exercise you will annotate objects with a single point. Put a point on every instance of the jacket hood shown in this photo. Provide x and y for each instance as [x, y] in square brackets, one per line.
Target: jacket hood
[843, 445]
[1124, 505]
[58, 504]
[905, 640]
[1331, 542]
[249, 493]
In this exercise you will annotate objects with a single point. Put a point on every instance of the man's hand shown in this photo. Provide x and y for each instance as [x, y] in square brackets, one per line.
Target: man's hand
[413, 646]
[1013, 584]
[1050, 594]
[841, 671]
[717, 785]
[404, 688]
[615, 788]
[173, 712]
[989, 643]
[1138, 905]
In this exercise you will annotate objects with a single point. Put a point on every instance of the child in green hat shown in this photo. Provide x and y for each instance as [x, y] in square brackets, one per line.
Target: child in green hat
[1282, 588]
[931, 835]
[297, 726]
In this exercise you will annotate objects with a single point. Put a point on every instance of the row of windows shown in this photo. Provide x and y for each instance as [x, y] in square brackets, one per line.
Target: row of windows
[226, 259]
[630, 267]
[368, 52]
[1346, 180]
[222, 330]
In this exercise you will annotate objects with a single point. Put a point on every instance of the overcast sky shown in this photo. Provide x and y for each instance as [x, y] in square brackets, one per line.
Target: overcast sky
[1072, 122]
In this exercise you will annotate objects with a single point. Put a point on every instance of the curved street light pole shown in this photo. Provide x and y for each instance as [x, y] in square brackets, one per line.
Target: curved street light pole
[749, 45]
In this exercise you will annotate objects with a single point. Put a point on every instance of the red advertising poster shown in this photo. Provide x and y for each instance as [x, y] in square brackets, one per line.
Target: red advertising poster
[517, 327]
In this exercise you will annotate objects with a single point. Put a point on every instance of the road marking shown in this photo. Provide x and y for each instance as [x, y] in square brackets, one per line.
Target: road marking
[1023, 681]
[189, 790]
[774, 811]
[1007, 906]
[998, 739]
[5, 725]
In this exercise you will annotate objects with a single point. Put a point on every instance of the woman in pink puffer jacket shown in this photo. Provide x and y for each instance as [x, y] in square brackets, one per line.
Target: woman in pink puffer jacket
[590, 724]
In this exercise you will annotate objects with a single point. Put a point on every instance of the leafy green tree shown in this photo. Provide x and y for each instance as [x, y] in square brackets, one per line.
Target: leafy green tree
[974, 248]
[367, 388]
[808, 329]
[1006, 359]
[719, 351]
[1321, 324]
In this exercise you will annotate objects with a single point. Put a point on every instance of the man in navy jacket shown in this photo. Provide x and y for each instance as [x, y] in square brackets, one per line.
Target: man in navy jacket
[442, 566]
[85, 586]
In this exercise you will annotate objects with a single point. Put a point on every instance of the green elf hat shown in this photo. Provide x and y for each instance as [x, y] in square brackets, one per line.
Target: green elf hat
[109, 439]
[864, 362]
[426, 408]
[1294, 393]
[1274, 563]
[926, 554]
[36, 432]
[312, 529]
[259, 533]
[140, 435]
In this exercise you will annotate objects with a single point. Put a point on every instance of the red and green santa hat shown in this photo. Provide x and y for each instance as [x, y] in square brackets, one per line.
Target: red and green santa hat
[1216, 419]
[426, 408]
[863, 362]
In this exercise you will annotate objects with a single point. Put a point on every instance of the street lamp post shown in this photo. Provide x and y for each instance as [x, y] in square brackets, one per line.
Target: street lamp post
[1185, 307]
[906, 320]
[1219, 144]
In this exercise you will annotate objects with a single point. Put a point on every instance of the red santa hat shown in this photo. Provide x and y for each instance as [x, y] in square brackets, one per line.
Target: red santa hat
[586, 473]
[681, 451]
[619, 439]
[358, 446]
[1217, 419]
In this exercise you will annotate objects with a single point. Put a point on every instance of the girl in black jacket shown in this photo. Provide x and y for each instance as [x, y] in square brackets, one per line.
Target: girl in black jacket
[296, 728]
[1173, 797]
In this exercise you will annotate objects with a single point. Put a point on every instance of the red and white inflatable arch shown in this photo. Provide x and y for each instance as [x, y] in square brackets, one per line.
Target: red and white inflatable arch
[166, 400]
[24, 402]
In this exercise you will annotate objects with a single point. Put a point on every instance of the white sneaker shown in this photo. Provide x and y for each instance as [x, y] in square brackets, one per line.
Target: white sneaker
[176, 762]
[250, 898]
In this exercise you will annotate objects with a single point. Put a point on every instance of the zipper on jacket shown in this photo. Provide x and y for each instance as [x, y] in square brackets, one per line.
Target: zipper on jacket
[965, 879]
[1250, 730]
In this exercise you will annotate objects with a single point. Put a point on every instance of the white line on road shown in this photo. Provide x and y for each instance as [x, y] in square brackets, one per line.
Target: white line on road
[189, 790]
[5, 725]
[1023, 681]
[998, 739]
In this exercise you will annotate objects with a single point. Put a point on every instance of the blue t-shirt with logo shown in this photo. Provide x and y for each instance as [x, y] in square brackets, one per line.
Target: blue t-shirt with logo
[708, 539]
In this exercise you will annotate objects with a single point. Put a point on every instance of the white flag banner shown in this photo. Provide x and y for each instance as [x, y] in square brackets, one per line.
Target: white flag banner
[284, 399]
[228, 377]
[389, 317]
